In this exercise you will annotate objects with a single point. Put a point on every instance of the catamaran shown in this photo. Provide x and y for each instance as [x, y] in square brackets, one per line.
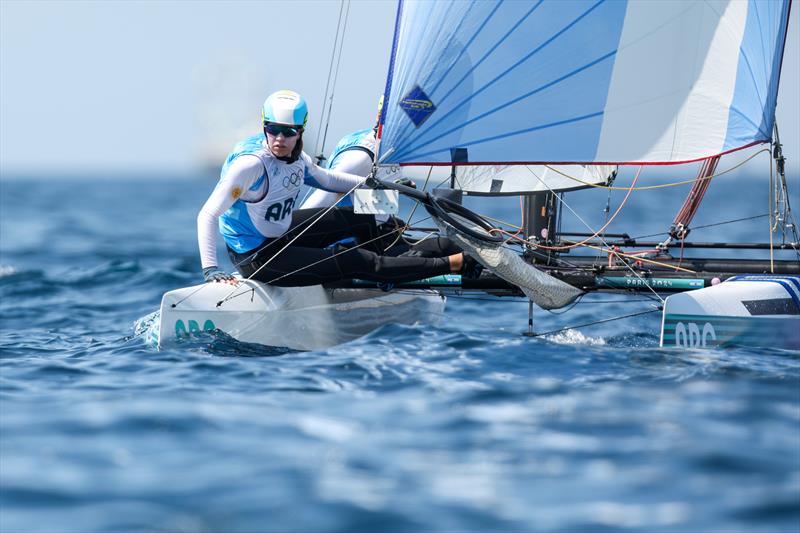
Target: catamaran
[537, 99]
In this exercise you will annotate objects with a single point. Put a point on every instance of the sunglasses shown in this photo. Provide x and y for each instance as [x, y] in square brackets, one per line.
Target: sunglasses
[277, 129]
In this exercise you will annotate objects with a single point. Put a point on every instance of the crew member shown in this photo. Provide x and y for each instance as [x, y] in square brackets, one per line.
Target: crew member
[268, 240]
[353, 154]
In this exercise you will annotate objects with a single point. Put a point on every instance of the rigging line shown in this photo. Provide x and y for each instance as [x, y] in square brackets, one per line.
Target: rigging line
[521, 241]
[524, 300]
[336, 75]
[785, 212]
[706, 225]
[497, 300]
[637, 258]
[338, 254]
[630, 255]
[597, 322]
[771, 227]
[439, 184]
[330, 71]
[513, 226]
[236, 266]
[568, 308]
[251, 256]
[609, 250]
[411, 214]
[661, 186]
[601, 230]
[606, 211]
[230, 296]
[615, 252]
[782, 175]
[291, 241]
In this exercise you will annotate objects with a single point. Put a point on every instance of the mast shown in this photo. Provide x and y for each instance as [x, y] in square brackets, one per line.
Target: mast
[540, 214]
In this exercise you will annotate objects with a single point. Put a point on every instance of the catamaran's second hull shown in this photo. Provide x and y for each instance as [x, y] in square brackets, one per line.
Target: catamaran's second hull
[752, 310]
[301, 318]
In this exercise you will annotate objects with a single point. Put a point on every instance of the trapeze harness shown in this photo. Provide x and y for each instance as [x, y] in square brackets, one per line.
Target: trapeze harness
[254, 204]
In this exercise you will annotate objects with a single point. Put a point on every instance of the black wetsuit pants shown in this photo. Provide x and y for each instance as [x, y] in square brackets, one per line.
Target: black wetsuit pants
[310, 260]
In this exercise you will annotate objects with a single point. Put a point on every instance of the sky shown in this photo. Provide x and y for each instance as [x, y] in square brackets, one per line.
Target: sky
[167, 87]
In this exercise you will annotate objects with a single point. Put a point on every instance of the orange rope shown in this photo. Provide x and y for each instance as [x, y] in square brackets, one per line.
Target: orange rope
[521, 224]
[598, 232]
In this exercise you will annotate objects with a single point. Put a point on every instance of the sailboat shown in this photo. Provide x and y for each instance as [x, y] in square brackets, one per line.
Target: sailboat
[539, 98]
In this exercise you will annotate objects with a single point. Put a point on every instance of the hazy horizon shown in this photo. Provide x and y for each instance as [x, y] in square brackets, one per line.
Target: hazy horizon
[152, 88]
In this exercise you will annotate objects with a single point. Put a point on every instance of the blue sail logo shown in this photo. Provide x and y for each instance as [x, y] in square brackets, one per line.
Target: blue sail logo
[417, 105]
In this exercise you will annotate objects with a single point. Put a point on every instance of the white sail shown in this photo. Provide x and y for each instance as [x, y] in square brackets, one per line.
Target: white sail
[525, 179]
[581, 81]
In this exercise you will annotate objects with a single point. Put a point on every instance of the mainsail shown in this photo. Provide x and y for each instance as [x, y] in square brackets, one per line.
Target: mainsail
[581, 81]
[497, 180]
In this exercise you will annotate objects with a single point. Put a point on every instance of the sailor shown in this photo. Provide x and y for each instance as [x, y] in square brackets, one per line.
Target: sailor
[355, 154]
[269, 240]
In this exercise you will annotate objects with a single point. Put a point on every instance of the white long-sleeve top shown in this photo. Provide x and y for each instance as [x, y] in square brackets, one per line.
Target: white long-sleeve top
[353, 162]
[255, 197]
[354, 154]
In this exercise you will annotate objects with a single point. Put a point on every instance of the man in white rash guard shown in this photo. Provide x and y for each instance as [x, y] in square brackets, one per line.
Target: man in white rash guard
[355, 154]
[253, 205]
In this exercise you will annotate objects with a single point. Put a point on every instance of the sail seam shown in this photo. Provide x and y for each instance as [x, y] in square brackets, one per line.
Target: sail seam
[405, 129]
[511, 102]
[536, 50]
[583, 162]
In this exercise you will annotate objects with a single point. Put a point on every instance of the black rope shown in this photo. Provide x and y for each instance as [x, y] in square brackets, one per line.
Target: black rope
[706, 226]
[596, 322]
[337, 46]
[522, 299]
[568, 308]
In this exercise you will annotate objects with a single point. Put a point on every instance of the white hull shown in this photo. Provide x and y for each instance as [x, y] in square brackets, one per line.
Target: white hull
[301, 318]
[746, 310]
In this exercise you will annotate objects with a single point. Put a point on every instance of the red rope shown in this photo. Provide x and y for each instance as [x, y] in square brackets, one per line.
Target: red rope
[695, 197]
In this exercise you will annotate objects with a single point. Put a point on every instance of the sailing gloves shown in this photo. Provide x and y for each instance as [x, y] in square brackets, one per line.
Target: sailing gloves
[214, 273]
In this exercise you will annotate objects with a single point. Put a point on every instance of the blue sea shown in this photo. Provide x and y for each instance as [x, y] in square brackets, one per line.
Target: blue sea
[462, 426]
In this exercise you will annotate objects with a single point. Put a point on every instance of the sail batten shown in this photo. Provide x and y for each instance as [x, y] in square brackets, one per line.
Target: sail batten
[581, 81]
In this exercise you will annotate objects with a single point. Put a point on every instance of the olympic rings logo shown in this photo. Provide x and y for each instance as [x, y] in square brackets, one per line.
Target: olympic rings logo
[293, 180]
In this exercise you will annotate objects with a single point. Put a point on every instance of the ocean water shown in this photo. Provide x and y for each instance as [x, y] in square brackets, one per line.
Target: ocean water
[458, 427]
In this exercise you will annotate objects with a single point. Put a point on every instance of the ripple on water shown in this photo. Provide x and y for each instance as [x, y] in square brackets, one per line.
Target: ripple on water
[467, 425]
